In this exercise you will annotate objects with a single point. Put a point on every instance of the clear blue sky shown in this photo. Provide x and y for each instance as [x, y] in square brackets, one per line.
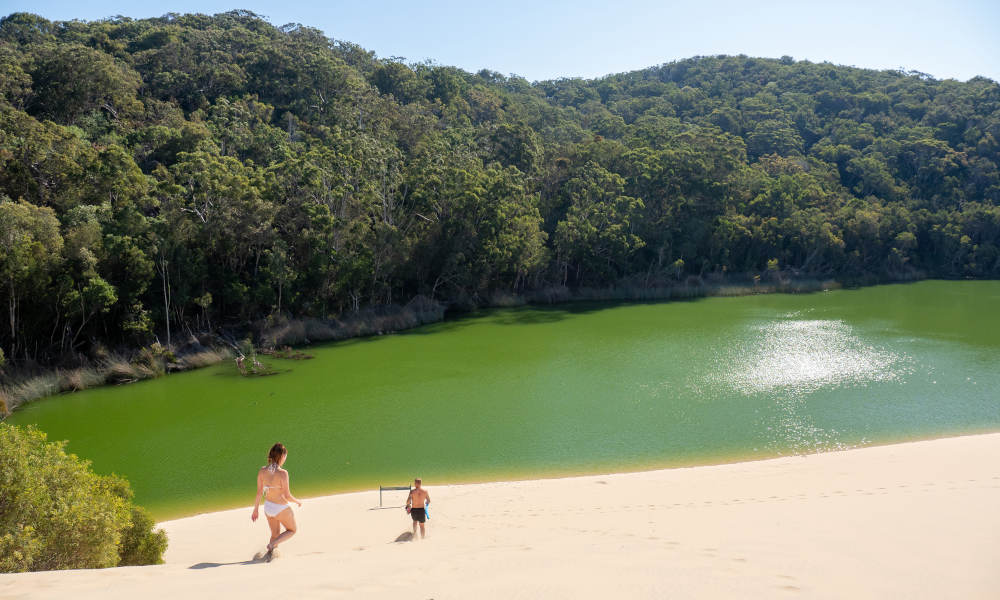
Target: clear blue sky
[543, 40]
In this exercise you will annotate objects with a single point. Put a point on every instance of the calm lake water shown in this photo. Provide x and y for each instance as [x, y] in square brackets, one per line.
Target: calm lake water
[540, 391]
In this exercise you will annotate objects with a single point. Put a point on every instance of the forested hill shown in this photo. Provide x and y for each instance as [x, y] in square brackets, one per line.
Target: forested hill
[219, 169]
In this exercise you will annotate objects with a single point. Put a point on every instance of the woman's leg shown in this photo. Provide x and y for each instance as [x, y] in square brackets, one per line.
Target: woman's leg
[275, 526]
[286, 518]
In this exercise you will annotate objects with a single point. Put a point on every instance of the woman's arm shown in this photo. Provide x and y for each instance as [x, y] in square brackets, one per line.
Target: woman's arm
[288, 491]
[260, 492]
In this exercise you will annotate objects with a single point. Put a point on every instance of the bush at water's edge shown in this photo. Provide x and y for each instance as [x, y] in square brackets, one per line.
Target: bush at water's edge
[280, 331]
[422, 310]
[374, 320]
[55, 513]
[17, 389]
[212, 348]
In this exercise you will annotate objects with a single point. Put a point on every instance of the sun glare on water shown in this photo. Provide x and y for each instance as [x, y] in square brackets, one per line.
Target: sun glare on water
[800, 356]
[791, 359]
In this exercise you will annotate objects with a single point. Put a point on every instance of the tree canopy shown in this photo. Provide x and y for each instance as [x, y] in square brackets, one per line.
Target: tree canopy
[196, 171]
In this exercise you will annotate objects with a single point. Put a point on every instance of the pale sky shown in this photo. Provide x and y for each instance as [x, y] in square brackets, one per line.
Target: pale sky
[539, 40]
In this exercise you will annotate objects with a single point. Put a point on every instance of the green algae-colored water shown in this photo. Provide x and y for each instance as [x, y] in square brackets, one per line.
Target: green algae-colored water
[541, 391]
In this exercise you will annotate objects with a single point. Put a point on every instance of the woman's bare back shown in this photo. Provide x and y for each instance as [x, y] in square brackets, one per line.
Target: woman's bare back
[275, 482]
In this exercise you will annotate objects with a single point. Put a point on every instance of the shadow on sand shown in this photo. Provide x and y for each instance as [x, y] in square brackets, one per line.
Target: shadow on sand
[258, 559]
[406, 536]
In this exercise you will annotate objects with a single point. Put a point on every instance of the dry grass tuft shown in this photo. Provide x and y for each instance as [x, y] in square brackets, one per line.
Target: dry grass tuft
[738, 290]
[316, 330]
[29, 390]
[506, 300]
[203, 358]
[38, 387]
[147, 371]
[369, 321]
[117, 369]
[80, 379]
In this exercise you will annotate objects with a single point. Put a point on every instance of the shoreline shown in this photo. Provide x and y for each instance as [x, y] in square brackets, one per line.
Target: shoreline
[131, 366]
[915, 519]
[557, 474]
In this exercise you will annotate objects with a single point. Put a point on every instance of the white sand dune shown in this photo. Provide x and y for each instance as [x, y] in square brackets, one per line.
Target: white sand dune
[915, 520]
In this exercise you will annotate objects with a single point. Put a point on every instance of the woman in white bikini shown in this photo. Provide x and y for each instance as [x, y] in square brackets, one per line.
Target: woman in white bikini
[272, 486]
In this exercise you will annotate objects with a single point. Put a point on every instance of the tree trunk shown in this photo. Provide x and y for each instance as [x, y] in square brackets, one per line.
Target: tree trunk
[166, 295]
[13, 319]
[84, 318]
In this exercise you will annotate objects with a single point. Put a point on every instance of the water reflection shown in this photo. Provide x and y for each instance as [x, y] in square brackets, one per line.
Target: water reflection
[801, 356]
[786, 361]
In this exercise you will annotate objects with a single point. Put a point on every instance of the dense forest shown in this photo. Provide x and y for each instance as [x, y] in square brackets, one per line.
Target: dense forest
[199, 172]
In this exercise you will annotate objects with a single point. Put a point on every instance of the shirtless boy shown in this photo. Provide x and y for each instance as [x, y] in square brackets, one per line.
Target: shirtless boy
[415, 503]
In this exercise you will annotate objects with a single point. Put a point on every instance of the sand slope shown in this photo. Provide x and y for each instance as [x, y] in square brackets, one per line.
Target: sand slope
[917, 520]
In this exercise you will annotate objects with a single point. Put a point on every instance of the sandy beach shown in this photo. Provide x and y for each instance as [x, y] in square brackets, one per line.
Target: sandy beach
[914, 520]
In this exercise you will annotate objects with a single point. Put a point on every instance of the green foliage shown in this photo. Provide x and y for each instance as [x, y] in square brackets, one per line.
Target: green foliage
[70, 81]
[30, 249]
[140, 543]
[596, 237]
[194, 171]
[57, 514]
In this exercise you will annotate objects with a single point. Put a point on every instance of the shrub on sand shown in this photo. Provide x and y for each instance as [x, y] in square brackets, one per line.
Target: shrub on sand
[57, 514]
[140, 543]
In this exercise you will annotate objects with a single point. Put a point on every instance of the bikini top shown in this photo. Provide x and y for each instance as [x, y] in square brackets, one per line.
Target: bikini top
[267, 487]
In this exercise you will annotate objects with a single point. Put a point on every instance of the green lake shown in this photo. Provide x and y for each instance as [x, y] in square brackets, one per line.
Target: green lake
[540, 391]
